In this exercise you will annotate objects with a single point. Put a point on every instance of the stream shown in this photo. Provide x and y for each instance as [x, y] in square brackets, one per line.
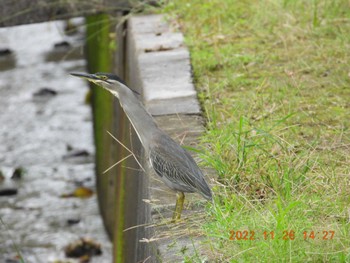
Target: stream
[46, 146]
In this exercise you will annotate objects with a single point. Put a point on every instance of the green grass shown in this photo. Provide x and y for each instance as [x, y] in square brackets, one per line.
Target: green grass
[274, 81]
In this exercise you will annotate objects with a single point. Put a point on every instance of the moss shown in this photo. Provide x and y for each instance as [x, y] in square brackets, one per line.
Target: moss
[111, 198]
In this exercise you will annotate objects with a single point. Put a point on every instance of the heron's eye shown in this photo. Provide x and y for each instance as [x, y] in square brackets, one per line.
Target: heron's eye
[102, 77]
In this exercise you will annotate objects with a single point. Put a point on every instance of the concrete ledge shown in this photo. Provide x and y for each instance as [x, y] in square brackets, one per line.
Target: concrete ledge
[162, 65]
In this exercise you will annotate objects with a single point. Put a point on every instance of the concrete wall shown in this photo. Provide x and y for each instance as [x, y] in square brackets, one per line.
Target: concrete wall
[118, 188]
[158, 65]
[153, 60]
[102, 109]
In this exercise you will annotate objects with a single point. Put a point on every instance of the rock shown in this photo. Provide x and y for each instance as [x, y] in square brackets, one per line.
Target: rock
[73, 221]
[8, 191]
[45, 92]
[76, 153]
[12, 260]
[62, 45]
[7, 59]
[5, 52]
[83, 247]
[18, 173]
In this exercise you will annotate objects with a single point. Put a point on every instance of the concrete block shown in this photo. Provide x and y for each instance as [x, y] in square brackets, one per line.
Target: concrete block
[163, 66]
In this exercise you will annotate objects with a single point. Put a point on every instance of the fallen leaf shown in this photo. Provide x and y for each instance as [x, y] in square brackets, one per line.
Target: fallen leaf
[80, 192]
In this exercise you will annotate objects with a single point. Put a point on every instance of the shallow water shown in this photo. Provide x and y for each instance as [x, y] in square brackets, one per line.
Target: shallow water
[39, 133]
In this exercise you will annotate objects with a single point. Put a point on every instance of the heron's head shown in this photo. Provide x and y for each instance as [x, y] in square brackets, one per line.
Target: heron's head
[108, 81]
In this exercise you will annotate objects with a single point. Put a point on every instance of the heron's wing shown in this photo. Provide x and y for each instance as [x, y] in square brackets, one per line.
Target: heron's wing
[171, 161]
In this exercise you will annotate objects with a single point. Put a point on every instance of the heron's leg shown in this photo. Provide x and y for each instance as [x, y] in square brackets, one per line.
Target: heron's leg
[180, 198]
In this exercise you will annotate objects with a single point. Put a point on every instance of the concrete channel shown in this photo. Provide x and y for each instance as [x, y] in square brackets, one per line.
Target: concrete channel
[46, 129]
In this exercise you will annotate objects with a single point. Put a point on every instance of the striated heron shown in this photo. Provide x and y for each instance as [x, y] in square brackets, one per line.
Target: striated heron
[171, 162]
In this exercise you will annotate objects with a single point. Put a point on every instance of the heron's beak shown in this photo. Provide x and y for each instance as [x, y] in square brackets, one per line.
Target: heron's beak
[89, 77]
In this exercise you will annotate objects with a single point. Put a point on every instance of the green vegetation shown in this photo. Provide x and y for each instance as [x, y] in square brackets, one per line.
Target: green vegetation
[273, 79]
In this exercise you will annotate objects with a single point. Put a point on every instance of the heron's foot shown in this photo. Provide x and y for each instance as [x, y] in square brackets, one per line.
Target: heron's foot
[180, 198]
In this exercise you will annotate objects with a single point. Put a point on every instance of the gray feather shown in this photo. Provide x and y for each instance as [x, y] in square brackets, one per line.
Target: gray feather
[177, 168]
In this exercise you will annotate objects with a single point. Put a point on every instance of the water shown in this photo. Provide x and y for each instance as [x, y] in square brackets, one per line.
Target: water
[38, 133]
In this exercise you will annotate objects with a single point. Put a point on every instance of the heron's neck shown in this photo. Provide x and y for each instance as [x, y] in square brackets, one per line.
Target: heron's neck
[140, 119]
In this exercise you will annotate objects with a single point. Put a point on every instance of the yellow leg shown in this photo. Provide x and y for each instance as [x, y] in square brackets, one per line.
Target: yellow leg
[180, 198]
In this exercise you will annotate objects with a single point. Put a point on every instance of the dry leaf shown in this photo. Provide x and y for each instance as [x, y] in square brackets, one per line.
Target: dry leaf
[80, 192]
